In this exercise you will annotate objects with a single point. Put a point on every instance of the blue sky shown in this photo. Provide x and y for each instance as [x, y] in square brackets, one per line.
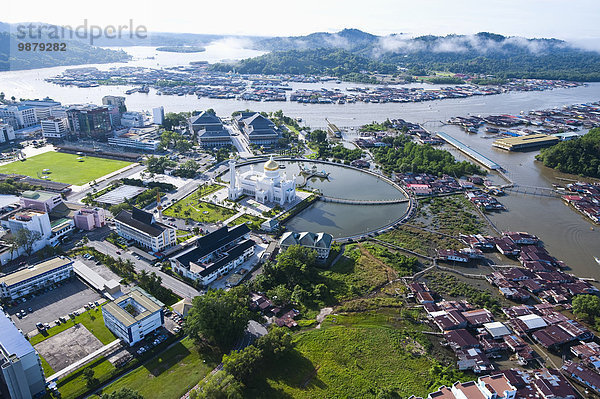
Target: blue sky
[566, 19]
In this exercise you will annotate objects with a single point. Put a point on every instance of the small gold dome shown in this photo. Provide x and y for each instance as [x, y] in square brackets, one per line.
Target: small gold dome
[271, 165]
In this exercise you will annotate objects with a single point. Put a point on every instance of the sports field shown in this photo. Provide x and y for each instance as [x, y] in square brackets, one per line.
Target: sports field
[64, 168]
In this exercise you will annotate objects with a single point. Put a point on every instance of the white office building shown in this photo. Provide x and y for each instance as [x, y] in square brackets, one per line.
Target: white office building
[43, 109]
[137, 138]
[55, 128]
[158, 115]
[32, 220]
[133, 316]
[18, 116]
[33, 278]
[133, 119]
[7, 132]
[141, 227]
[21, 373]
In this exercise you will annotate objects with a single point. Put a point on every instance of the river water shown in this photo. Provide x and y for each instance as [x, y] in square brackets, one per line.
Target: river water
[566, 234]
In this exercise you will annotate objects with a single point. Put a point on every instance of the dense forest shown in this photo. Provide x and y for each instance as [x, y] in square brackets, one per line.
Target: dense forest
[483, 53]
[76, 53]
[407, 156]
[580, 156]
[333, 62]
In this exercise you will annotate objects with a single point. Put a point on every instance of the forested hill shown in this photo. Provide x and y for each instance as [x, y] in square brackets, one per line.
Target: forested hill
[76, 53]
[580, 156]
[482, 53]
[332, 62]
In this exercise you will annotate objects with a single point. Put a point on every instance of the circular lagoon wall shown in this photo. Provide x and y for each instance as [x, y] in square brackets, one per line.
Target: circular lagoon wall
[337, 219]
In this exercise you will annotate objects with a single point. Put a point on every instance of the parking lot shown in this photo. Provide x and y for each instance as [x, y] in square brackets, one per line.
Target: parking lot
[79, 341]
[71, 295]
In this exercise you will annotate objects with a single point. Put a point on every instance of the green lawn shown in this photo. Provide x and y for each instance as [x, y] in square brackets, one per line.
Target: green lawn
[74, 385]
[191, 207]
[64, 168]
[92, 320]
[169, 375]
[252, 221]
[351, 356]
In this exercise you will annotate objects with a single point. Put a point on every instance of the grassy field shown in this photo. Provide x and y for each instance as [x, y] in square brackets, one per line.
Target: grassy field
[199, 211]
[193, 207]
[64, 168]
[351, 356]
[92, 320]
[74, 385]
[254, 224]
[357, 273]
[169, 375]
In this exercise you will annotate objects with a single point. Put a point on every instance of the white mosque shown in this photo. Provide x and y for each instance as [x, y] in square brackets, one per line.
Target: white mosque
[265, 186]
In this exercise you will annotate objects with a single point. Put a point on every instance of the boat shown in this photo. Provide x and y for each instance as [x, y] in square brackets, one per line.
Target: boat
[597, 260]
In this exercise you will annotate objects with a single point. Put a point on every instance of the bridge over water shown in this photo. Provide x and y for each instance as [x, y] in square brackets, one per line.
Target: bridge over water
[363, 202]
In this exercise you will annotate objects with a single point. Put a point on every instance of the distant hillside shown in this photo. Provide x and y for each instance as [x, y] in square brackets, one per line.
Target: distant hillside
[76, 53]
[482, 53]
[332, 62]
[347, 39]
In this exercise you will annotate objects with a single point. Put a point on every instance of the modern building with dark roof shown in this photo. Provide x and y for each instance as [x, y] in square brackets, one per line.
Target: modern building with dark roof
[215, 254]
[133, 316]
[141, 227]
[21, 374]
[258, 129]
[210, 130]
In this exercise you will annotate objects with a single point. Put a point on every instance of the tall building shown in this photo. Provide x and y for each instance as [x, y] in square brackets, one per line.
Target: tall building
[158, 115]
[21, 373]
[43, 109]
[133, 316]
[265, 186]
[90, 121]
[18, 116]
[133, 119]
[7, 132]
[141, 227]
[116, 101]
[89, 218]
[55, 128]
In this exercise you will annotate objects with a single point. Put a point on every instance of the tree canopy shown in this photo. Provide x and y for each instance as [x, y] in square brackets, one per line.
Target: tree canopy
[219, 316]
[580, 156]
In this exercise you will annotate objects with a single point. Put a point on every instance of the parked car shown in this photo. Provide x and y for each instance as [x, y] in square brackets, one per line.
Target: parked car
[39, 326]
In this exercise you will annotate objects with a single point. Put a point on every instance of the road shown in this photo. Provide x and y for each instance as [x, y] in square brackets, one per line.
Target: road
[177, 286]
[240, 141]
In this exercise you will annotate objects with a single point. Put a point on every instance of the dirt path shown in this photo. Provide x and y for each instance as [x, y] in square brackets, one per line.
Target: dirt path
[322, 314]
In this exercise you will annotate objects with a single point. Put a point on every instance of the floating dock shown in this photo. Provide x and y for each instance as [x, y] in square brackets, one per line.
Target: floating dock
[485, 161]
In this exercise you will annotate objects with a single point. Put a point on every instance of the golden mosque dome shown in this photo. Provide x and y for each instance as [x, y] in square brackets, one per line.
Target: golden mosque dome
[271, 165]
